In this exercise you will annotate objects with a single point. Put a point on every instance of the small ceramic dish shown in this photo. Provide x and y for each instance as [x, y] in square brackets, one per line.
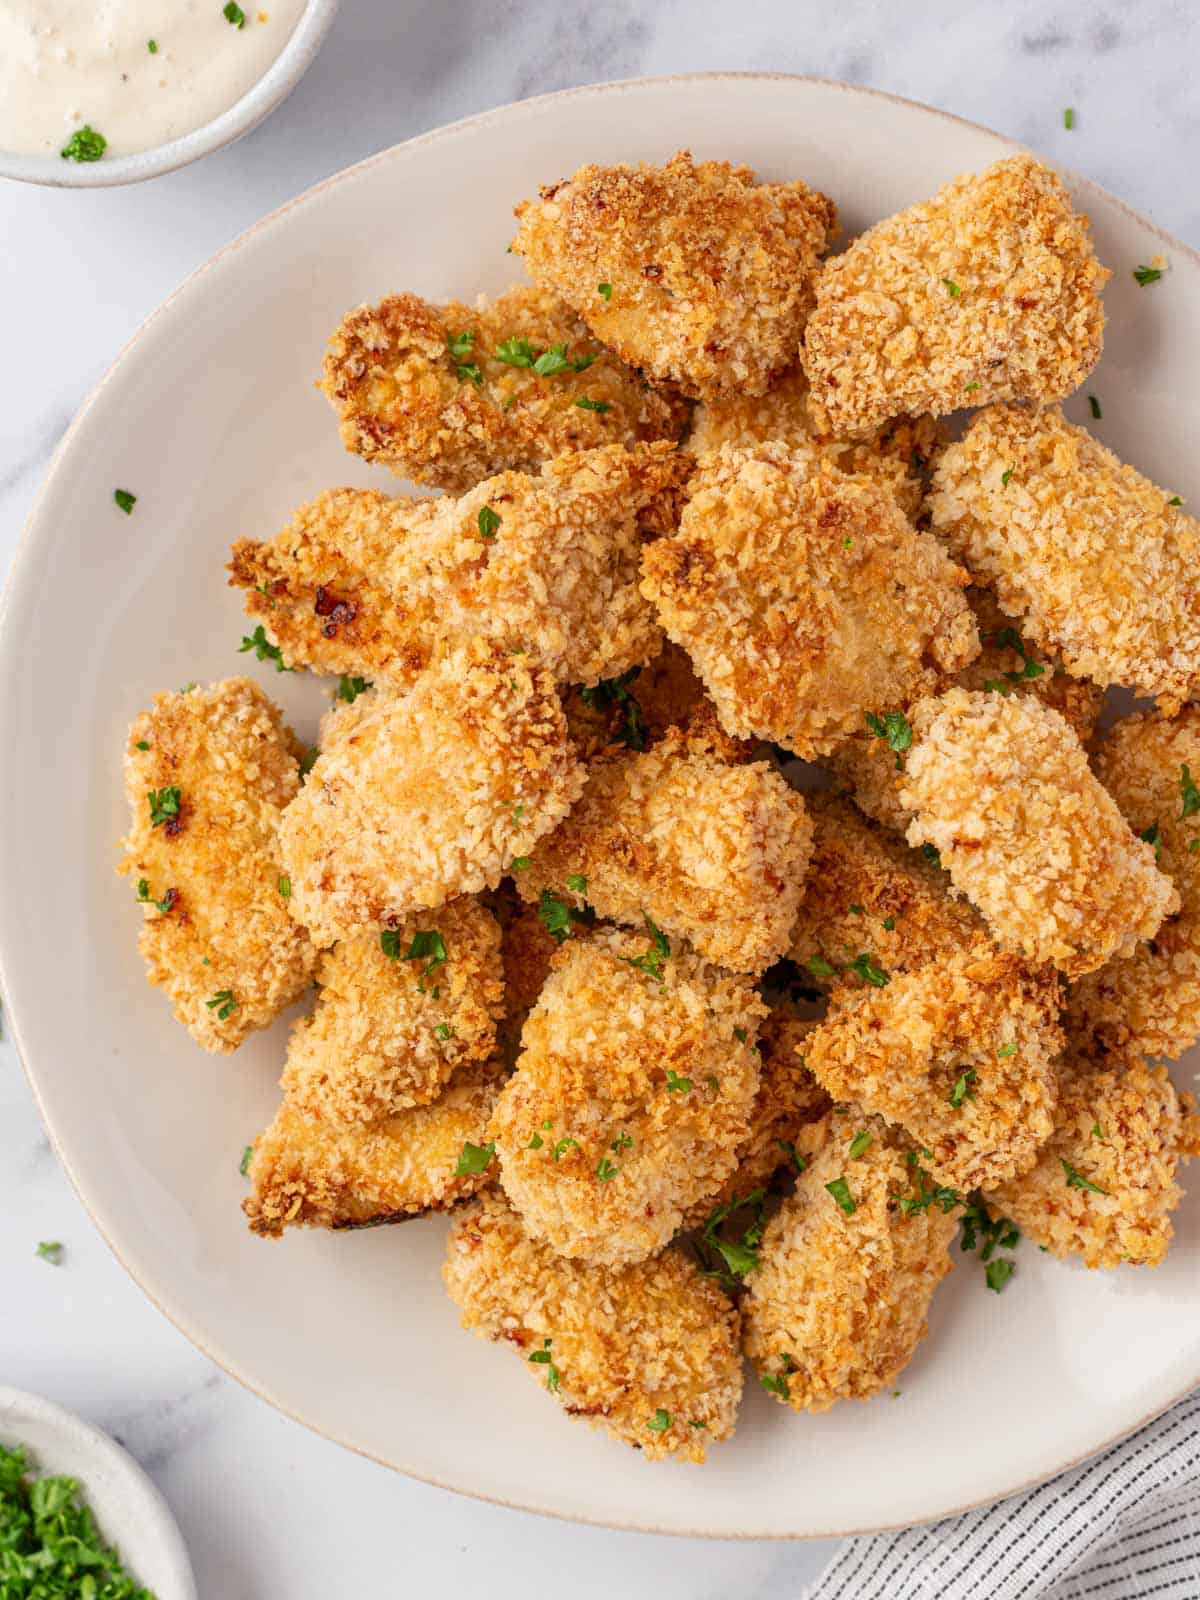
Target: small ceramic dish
[271, 90]
[131, 1513]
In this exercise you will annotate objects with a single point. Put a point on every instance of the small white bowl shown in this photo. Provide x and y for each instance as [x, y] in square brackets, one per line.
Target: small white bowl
[271, 90]
[131, 1513]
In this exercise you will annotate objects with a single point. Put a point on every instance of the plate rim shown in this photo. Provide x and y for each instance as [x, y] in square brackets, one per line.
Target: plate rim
[15, 580]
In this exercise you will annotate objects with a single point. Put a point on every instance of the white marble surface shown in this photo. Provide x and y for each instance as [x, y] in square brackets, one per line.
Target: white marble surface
[267, 1508]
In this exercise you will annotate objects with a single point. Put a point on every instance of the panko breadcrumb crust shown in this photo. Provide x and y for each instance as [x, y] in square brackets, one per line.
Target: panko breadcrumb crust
[526, 949]
[306, 1173]
[1001, 788]
[383, 1036]
[631, 1097]
[421, 797]
[805, 598]
[1091, 555]
[361, 584]
[1124, 1129]
[648, 1352]
[708, 274]
[713, 854]
[867, 892]
[988, 291]
[1151, 1003]
[894, 454]
[839, 1302]
[216, 934]
[959, 1054]
[406, 401]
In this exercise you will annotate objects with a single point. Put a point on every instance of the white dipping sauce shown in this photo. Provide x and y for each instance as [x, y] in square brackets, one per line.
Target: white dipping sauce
[65, 64]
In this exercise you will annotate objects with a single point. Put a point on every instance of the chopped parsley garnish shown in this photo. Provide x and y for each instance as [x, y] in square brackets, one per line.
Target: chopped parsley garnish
[429, 947]
[558, 918]
[515, 352]
[1098, 1132]
[164, 804]
[1189, 794]
[165, 905]
[263, 649]
[543, 1358]
[460, 346]
[563, 1146]
[737, 1257]
[1175, 500]
[186, 688]
[819, 967]
[1153, 836]
[889, 923]
[389, 943]
[234, 14]
[894, 728]
[85, 144]
[962, 1089]
[932, 853]
[652, 962]
[475, 1158]
[125, 500]
[774, 1384]
[952, 288]
[860, 1144]
[444, 1031]
[1076, 1180]
[998, 1272]
[521, 863]
[927, 1192]
[869, 970]
[623, 1141]
[615, 692]
[576, 882]
[971, 386]
[309, 761]
[536, 1142]
[1069, 118]
[488, 521]
[1006, 476]
[1009, 1049]
[1010, 639]
[349, 688]
[143, 744]
[605, 289]
[740, 1035]
[660, 1421]
[676, 1084]
[546, 363]
[224, 1003]
[840, 1190]
[996, 686]
[788, 1146]
[284, 885]
[599, 406]
[244, 1163]
[855, 911]
[1145, 275]
[48, 1250]
[1095, 405]
[606, 1169]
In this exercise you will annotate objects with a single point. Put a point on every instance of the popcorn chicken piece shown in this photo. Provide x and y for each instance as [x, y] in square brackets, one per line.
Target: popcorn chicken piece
[988, 291]
[693, 273]
[208, 773]
[546, 566]
[631, 1098]
[805, 598]
[648, 1352]
[426, 389]
[1091, 555]
[1002, 790]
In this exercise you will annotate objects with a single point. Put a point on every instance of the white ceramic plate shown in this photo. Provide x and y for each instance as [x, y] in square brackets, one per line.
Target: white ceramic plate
[211, 418]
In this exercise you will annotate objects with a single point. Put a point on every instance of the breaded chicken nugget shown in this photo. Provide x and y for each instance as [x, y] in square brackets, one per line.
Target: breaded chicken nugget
[631, 1098]
[417, 798]
[694, 273]
[959, 1054]
[1001, 788]
[1093, 557]
[548, 565]
[306, 1173]
[866, 891]
[805, 598]
[838, 1305]
[387, 1033]
[866, 768]
[1106, 1182]
[988, 291]
[1150, 1004]
[893, 454]
[713, 854]
[648, 1352]
[449, 394]
[208, 773]
[527, 948]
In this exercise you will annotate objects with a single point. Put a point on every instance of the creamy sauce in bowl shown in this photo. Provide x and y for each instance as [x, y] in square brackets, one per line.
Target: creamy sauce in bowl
[138, 73]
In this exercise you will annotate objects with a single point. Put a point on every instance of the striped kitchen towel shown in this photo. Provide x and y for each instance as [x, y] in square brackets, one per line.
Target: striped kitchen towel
[1124, 1526]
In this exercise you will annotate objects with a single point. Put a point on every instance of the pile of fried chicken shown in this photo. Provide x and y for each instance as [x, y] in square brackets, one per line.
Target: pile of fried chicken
[709, 1065]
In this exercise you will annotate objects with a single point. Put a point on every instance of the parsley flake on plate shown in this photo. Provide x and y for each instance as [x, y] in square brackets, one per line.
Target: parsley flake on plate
[1145, 275]
[543, 1358]
[85, 144]
[1095, 406]
[263, 649]
[125, 500]
[234, 14]
[244, 1164]
[48, 1250]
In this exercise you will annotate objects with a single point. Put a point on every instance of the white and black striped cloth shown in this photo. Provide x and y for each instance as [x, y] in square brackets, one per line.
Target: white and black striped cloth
[1124, 1526]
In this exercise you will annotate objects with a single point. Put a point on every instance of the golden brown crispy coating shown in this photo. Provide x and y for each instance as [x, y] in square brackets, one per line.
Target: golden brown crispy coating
[311, 1174]
[1091, 555]
[417, 798]
[526, 949]
[866, 891]
[405, 400]
[805, 598]
[709, 274]
[631, 1097]
[385, 1033]
[893, 454]
[712, 853]
[1151, 1003]
[1002, 789]
[1124, 1129]
[208, 773]
[838, 1305]
[358, 583]
[648, 1352]
[959, 1054]
[988, 291]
